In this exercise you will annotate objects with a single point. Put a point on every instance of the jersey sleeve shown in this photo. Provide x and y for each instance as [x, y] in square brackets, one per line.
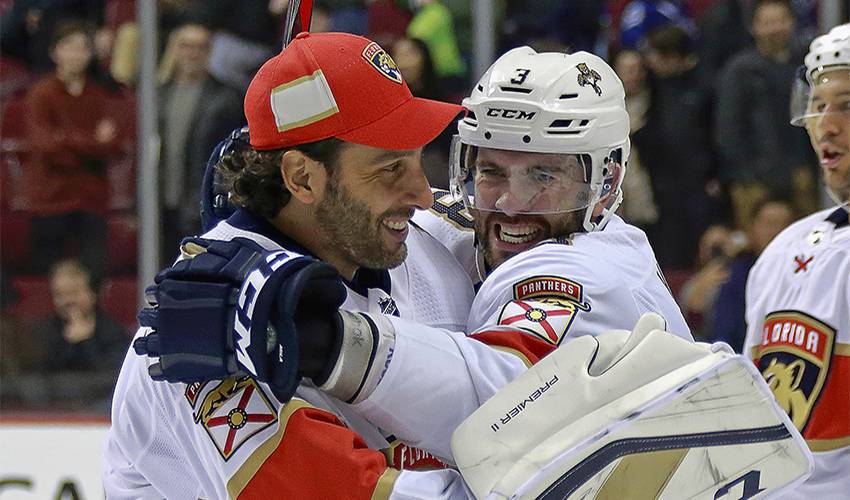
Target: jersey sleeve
[232, 439]
[434, 380]
[451, 224]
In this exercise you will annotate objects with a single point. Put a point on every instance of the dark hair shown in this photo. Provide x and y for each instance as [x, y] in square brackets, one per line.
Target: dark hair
[430, 83]
[670, 40]
[253, 177]
[74, 264]
[68, 27]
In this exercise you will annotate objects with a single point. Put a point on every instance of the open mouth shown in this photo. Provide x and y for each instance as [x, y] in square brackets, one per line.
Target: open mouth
[830, 155]
[400, 225]
[517, 234]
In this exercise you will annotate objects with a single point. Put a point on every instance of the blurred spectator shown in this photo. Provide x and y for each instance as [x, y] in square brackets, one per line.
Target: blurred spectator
[413, 60]
[247, 33]
[386, 21]
[576, 24]
[433, 23]
[769, 219]
[762, 153]
[196, 111]
[72, 133]
[677, 152]
[639, 203]
[642, 17]
[699, 293]
[78, 335]
[79, 347]
[724, 31]
[26, 29]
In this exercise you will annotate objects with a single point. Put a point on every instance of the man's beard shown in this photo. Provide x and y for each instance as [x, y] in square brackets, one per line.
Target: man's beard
[840, 191]
[349, 224]
[565, 225]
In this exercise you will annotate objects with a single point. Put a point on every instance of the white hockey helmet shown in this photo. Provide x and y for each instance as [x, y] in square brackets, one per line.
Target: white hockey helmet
[827, 53]
[569, 108]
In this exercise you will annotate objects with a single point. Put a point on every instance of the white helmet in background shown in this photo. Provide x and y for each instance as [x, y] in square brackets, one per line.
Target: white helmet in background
[570, 108]
[827, 53]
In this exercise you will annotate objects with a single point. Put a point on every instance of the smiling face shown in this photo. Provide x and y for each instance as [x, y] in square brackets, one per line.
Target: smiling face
[368, 202]
[829, 129]
[522, 199]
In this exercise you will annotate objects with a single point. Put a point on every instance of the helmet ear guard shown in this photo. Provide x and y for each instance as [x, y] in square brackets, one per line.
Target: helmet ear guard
[550, 103]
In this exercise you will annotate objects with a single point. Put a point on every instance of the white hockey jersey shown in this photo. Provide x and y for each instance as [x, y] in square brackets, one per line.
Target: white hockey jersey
[597, 282]
[798, 334]
[232, 438]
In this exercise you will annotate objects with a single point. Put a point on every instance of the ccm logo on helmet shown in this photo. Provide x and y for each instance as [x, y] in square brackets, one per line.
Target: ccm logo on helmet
[513, 114]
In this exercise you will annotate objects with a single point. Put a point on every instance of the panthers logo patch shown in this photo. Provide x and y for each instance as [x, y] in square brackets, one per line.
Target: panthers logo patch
[544, 318]
[552, 288]
[587, 76]
[794, 357]
[382, 61]
[232, 412]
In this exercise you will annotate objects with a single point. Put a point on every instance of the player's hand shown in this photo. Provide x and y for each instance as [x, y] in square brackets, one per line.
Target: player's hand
[233, 308]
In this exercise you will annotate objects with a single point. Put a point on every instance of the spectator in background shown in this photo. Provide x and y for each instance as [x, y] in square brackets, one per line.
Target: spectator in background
[769, 219]
[195, 112]
[413, 60]
[638, 207]
[675, 147]
[433, 24]
[699, 293]
[386, 21]
[642, 17]
[762, 153]
[78, 336]
[79, 347]
[724, 31]
[72, 134]
[246, 34]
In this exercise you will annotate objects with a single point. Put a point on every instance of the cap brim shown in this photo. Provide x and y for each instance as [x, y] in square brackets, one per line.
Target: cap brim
[410, 126]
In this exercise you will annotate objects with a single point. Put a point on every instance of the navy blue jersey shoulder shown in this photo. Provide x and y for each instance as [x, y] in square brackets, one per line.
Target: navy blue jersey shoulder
[364, 278]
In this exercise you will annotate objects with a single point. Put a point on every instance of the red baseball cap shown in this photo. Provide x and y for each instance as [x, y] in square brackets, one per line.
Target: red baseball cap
[339, 85]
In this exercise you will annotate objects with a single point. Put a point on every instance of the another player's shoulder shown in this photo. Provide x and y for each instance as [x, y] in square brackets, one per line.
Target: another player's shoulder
[450, 224]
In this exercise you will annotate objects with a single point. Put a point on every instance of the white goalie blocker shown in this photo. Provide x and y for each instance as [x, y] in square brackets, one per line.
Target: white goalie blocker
[641, 415]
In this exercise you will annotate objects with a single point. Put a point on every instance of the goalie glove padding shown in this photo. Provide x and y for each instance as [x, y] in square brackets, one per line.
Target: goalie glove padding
[572, 428]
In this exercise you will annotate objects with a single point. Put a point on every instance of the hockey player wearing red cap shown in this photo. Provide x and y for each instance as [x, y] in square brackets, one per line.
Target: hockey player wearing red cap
[328, 183]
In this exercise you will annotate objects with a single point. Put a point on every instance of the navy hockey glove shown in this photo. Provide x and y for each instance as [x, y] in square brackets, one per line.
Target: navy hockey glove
[233, 309]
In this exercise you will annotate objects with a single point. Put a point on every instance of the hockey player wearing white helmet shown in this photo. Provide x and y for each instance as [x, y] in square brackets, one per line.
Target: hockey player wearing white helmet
[538, 165]
[798, 292]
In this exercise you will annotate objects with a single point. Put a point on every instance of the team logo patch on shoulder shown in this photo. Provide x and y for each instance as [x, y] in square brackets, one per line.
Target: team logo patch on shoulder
[382, 61]
[552, 289]
[794, 357]
[233, 411]
[546, 319]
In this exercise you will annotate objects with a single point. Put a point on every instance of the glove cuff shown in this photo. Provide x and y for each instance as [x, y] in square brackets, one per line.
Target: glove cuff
[364, 355]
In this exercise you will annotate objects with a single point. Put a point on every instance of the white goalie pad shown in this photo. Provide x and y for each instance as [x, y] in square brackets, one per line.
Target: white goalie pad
[645, 415]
